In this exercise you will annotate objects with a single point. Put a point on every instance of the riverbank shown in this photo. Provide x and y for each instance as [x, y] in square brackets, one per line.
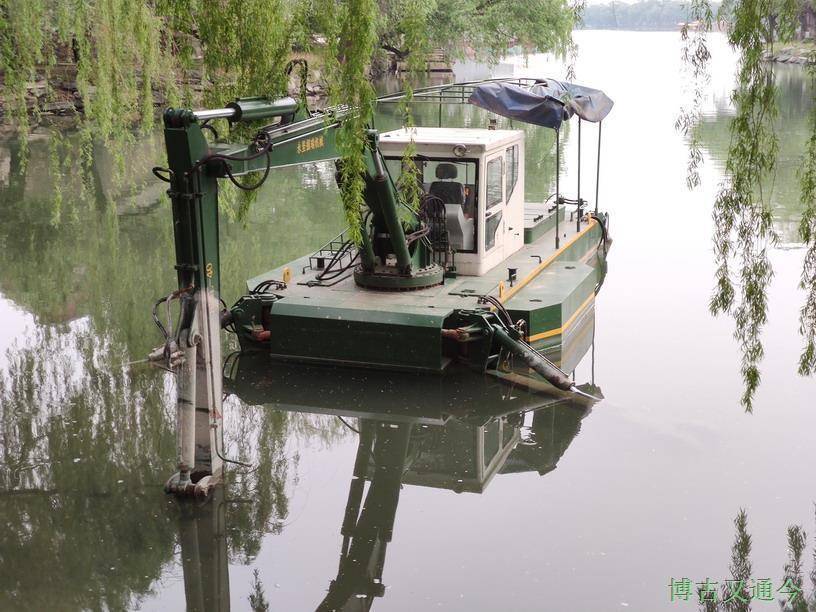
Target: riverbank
[798, 52]
[53, 98]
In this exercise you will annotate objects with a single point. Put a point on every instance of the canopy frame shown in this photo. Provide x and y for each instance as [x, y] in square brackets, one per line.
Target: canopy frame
[542, 102]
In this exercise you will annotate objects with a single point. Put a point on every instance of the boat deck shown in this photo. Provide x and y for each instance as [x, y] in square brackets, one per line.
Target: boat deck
[456, 293]
[347, 324]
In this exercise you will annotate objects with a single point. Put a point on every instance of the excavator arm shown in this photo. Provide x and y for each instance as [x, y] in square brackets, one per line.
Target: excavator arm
[195, 165]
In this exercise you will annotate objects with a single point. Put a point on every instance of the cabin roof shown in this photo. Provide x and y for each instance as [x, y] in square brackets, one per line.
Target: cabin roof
[473, 137]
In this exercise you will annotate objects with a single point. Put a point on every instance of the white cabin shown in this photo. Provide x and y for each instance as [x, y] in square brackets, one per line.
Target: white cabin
[479, 175]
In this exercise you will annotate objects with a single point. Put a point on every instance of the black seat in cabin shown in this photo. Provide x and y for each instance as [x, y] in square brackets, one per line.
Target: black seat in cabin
[452, 193]
[447, 189]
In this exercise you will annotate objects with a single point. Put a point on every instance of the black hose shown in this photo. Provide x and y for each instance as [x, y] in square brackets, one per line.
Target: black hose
[156, 320]
[157, 170]
[266, 284]
[265, 150]
[604, 234]
[338, 272]
[335, 258]
[206, 126]
[505, 315]
[260, 182]
[223, 157]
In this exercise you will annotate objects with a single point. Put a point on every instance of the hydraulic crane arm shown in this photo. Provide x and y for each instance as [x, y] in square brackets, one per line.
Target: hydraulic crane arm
[310, 139]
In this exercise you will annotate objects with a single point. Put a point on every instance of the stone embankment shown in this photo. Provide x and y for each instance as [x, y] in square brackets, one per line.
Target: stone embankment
[58, 102]
[794, 53]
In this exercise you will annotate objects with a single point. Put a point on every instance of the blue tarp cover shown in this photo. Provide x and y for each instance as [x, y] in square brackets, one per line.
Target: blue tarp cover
[547, 103]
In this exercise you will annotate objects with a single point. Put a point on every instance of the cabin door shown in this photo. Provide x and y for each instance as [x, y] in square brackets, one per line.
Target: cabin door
[494, 216]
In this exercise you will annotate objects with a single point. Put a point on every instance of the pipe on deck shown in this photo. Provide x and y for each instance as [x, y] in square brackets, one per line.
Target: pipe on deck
[539, 364]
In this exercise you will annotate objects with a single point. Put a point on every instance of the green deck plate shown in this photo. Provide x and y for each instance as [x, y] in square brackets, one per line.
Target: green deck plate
[535, 227]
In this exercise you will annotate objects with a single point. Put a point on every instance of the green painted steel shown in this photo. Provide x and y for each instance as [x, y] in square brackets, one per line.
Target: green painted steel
[414, 267]
[352, 325]
[536, 227]
[402, 338]
[310, 140]
[381, 197]
[195, 203]
[556, 296]
[258, 107]
[553, 297]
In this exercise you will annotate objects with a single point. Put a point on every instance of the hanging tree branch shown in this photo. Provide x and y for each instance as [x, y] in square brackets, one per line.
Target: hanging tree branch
[742, 212]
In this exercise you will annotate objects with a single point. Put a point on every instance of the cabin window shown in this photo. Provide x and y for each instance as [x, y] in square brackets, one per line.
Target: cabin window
[492, 224]
[453, 182]
[494, 182]
[511, 157]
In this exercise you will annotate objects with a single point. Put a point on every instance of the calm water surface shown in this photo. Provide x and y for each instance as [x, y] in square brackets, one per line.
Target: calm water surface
[578, 510]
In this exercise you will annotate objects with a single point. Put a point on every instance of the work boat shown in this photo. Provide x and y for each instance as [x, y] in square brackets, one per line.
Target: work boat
[476, 275]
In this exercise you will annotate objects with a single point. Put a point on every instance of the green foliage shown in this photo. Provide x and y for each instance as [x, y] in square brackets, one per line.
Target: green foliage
[257, 596]
[129, 53]
[415, 15]
[487, 27]
[797, 541]
[246, 45]
[696, 57]
[807, 232]
[349, 27]
[791, 590]
[740, 565]
[24, 44]
[743, 222]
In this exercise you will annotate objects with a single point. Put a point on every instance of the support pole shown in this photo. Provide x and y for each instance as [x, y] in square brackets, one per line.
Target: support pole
[440, 109]
[209, 393]
[598, 167]
[185, 410]
[557, 184]
[543, 366]
[578, 206]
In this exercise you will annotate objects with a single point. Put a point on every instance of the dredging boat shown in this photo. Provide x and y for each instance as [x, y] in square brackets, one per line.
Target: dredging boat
[475, 276]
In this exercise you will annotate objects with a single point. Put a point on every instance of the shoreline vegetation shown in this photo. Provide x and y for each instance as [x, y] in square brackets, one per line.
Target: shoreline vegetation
[113, 63]
[54, 100]
[796, 52]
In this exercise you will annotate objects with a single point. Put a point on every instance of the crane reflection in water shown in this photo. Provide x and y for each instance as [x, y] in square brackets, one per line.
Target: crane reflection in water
[459, 433]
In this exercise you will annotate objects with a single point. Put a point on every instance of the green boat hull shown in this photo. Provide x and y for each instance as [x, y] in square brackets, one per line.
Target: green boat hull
[553, 294]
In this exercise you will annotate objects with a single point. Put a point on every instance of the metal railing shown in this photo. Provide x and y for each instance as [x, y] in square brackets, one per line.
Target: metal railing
[336, 248]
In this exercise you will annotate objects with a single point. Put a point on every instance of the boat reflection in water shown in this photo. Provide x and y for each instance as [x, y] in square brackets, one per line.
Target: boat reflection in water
[456, 432]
